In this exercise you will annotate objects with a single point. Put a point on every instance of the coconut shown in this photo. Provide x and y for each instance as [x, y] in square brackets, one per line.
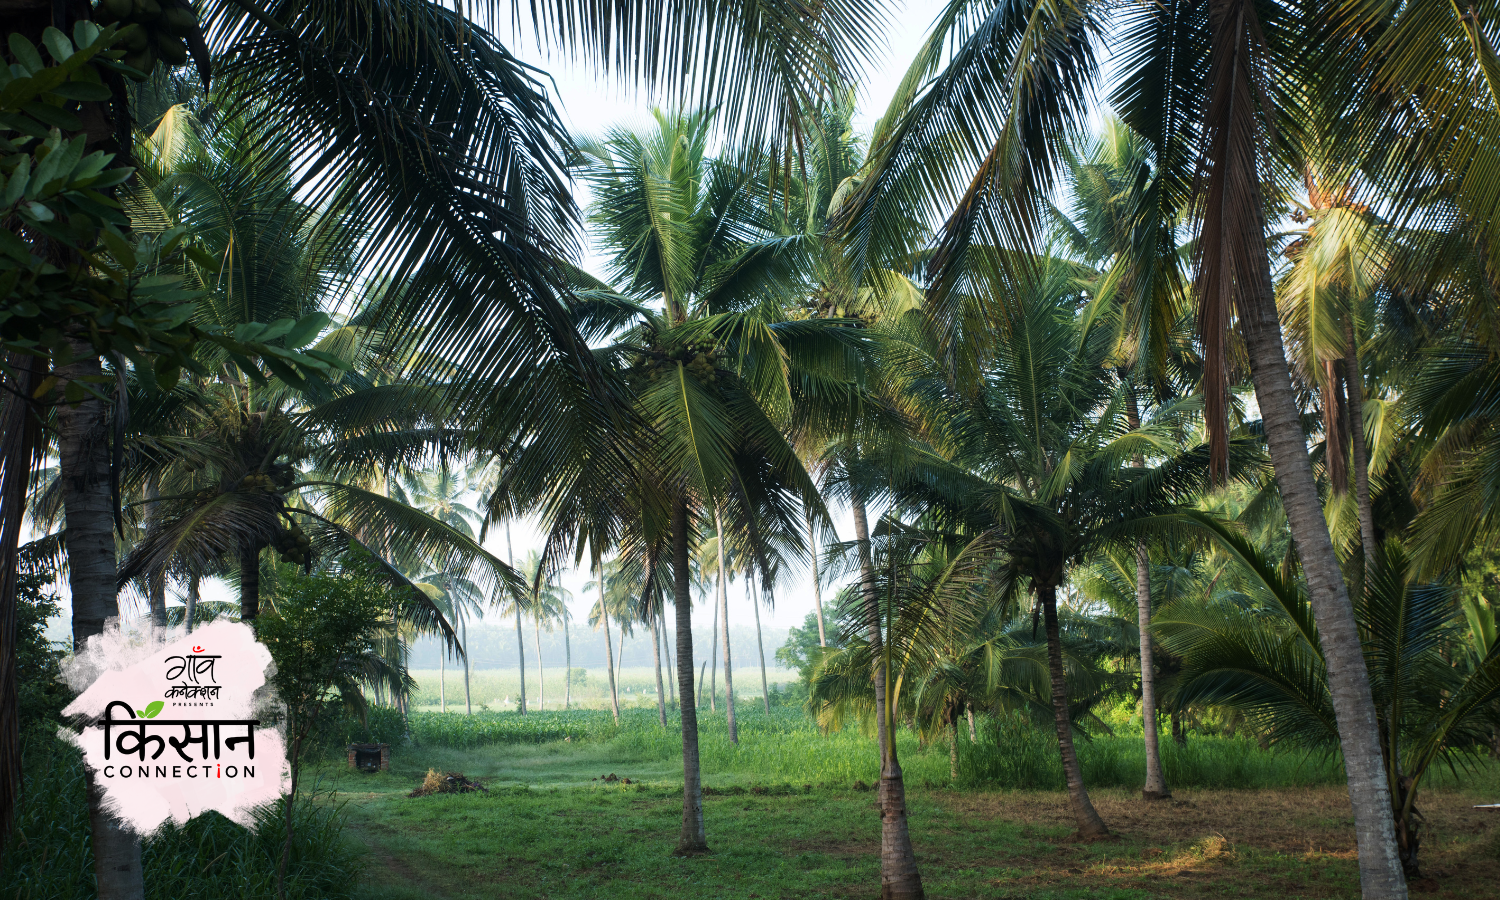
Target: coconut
[173, 51]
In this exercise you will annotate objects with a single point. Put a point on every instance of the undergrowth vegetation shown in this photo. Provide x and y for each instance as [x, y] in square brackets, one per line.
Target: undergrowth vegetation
[788, 747]
[50, 856]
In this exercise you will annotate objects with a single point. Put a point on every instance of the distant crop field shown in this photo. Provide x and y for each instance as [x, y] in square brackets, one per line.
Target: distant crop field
[500, 689]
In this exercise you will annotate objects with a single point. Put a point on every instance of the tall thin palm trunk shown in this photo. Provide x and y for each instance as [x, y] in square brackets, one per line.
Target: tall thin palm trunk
[568, 664]
[953, 753]
[1156, 782]
[541, 688]
[83, 462]
[973, 732]
[521, 655]
[812, 546]
[666, 649]
[609, 649]
[1234, 241]
[463, 637]
[510, 560]
[156, 582]
[713, 650]
[765, 689]
[192, 600]
[1380, 872]
[661, 694]
[442, 677]
[1089, 823]
[734, 731]
[899, 876]
[620, 660]
[1354, 386]
[693, 839]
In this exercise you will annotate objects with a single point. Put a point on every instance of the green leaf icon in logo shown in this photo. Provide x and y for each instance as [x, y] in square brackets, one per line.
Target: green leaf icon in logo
[153, 709]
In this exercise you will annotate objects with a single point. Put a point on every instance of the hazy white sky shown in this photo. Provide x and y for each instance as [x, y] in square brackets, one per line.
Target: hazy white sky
[589, 106]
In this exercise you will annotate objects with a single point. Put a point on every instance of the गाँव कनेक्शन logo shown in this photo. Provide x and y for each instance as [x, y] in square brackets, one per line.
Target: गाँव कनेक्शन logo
[200, 746]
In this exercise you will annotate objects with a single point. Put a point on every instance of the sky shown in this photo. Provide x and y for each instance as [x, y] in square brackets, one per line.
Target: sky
[589, 106]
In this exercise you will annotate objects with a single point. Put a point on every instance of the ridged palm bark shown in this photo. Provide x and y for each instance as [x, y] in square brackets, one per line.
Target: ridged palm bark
[1156, 782]
[693, 839]
[1089, 823]
[661, 692]
[734, 730]
[899, 877]
[84, 471]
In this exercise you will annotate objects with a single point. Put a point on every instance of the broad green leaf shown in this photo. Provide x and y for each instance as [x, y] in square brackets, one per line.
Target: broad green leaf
[25, 53]
[306, 330]
[154, 708]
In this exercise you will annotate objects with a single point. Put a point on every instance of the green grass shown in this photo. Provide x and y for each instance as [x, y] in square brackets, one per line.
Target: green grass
[786, 747]
[785, 819]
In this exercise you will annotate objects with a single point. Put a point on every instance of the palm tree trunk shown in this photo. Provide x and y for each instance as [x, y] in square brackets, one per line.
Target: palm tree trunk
[973, 732]
[463, 636]
[713, 651]
[620, 661]
[702, 673]
[192, 600]
[1156, 783]
[899, 877]
[250, 581]
[693, 839]
[156, 582]
[1089, 823]
[872, 612]
[1354, 386]
[510, 560]
[83, 462]
[734, 731]
[609, 649]
[765, 689]
[442, 677]
[541, 688]
[812, 544]
[568, 664]
[666, 649]
[20, 436]
[661, 693]
[521, 653]
[953, 754]
[1380, 872]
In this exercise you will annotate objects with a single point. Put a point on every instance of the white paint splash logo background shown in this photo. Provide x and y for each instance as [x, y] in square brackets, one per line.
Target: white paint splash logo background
[187, 747]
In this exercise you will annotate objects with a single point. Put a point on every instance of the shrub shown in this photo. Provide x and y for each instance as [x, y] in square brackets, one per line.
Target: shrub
[50, 856]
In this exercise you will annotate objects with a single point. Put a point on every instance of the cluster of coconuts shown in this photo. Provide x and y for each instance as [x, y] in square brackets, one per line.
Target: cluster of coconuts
[700, 359]
[256, 481]
[293, 545]
[158, 33]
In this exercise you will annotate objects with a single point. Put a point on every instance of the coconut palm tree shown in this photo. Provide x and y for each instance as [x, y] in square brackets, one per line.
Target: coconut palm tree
[1436, 681]
[462, 180]
[1036, 463]
[1114, 225]
[979, 127]
[711, 372]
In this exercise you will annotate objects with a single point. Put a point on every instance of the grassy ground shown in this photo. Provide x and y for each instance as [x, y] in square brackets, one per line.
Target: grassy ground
[551, 827]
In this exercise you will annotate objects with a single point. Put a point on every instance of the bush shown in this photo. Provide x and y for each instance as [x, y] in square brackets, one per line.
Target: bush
[335, 730]
[50, 856]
